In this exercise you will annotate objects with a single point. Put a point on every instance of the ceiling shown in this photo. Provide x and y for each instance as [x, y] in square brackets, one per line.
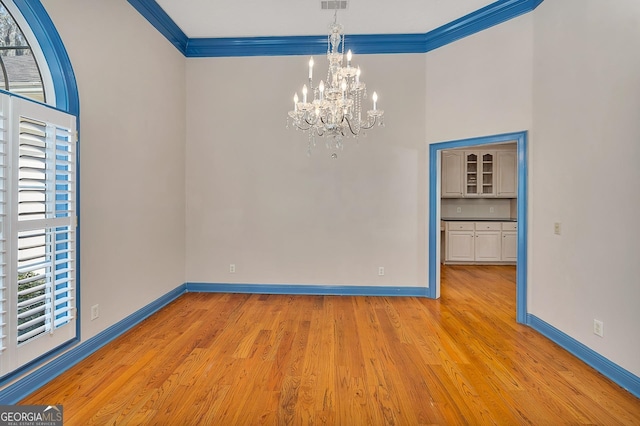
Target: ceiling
[256, 18]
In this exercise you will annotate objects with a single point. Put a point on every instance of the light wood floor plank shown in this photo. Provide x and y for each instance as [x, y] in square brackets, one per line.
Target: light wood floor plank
[236, 359]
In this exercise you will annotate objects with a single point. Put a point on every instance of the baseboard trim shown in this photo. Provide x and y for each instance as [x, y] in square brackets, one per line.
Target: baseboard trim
[315, 290]
[17, 391]
[622, 377]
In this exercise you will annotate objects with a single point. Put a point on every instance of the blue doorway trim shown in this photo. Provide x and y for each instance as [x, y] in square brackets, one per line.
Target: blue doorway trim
[434, 218]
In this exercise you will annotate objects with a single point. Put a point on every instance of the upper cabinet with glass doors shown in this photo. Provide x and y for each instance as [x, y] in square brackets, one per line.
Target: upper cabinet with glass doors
[479, 174]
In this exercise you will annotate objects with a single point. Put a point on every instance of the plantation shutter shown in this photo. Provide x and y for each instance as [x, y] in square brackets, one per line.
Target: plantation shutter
[40, 263]
[4, 122]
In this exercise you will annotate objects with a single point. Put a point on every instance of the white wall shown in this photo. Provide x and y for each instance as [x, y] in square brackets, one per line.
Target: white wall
[132, 118]
[255, 199]
[584, 173]
[481, 85]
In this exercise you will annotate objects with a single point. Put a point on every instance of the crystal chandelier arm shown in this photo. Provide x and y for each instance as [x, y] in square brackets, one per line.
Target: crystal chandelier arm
[310, 123]
[351, 128]
[371, 123]
[304, 129]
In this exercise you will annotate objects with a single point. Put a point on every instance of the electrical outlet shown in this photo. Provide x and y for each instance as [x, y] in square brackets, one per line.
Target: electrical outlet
[381, 270]
[95, 312]
[492, 209]
[598, 328]
[556, 228]
[232, 268]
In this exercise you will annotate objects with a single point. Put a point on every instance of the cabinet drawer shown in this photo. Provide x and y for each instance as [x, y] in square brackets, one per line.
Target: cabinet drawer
[488, 226]
[509, 226]
[459, 226]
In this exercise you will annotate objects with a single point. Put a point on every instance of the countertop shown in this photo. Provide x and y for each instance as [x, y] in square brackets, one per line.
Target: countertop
[493, 219]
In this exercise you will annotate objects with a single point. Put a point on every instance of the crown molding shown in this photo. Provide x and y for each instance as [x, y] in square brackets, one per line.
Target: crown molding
[157, 17]
[486, 17]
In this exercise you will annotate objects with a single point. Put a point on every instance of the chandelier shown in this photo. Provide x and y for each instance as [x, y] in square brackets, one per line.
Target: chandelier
[333, 109]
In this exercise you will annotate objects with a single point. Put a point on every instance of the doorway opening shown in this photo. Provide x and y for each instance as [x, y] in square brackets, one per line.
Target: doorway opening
[435, 151]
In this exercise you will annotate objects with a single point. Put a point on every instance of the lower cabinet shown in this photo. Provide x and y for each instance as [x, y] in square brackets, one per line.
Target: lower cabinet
[509, 242]
[460, 246]
[480, 242]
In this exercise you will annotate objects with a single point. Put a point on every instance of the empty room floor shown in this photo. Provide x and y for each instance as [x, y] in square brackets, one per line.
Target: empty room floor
[247, 359]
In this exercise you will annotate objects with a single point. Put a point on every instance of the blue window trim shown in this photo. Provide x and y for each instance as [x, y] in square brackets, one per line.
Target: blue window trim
[67, 100]
[486, 17]
[521, 273]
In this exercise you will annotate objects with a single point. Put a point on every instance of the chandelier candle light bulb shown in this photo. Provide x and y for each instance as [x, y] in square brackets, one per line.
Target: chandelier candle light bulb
[335, 109]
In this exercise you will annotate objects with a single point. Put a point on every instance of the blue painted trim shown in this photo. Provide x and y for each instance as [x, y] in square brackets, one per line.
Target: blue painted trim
[157, 17]
[486, 17]
[321, 290]
[434, 229]
[27, 385]
[622, 377]
[255, 46]
[64, 79]
[521, 274]
[523, 226]
[303, 45]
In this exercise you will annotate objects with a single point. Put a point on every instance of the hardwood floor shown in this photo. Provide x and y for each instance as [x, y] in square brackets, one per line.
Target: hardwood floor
[227, 359]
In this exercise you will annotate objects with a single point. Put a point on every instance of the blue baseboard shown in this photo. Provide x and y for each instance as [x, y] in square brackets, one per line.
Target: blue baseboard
[27, 385]
[316, 290]
[622, 377]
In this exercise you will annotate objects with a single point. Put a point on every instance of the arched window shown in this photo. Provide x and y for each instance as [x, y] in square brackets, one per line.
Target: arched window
[20, 73]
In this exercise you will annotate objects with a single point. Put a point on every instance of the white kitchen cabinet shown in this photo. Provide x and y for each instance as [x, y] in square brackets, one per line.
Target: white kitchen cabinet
[460, 241]
[452, 172]
[480, 242]
[479, 173]
[507, 179]
[488, 244]
[509, 249]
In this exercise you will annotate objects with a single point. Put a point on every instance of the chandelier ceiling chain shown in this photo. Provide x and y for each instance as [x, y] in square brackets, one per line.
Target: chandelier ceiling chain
[333, 109]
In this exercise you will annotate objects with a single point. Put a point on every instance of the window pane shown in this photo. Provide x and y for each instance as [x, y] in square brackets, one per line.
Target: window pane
[19, 70]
